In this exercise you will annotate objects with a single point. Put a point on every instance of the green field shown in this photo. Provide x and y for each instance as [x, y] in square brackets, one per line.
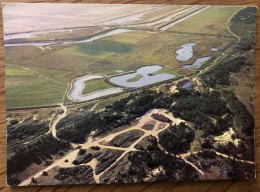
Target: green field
[27, 88]
[49, 72]
[160, 49]
[213, 20]
[95, 85]
[63, 63]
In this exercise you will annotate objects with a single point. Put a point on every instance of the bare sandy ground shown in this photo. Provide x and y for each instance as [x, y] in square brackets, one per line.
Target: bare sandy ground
[21, 17]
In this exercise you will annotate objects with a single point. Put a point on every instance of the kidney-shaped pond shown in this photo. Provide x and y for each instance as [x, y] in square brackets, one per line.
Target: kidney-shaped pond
[143, 76]
[197, 63]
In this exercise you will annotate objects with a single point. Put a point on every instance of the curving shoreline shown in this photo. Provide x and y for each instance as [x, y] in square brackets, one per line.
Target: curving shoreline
[78, 85]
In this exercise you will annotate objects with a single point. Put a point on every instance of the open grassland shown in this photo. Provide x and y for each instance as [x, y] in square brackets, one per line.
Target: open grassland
[50, 71]
[213, 20]
[27, 88]
[160, 49]
[47, 72]
[95, 85]
[73, 57]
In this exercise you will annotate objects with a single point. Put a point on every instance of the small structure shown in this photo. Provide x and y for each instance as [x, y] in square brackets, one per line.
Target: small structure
[161, 118]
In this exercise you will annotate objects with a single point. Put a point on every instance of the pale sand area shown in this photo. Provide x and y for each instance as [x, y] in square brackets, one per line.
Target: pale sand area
[22, 17]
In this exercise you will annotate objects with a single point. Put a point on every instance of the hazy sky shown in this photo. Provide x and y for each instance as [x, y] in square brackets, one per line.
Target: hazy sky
[24, 17]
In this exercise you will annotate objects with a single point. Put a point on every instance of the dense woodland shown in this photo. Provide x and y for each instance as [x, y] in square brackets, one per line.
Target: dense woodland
[176, 139]
[121, 112]
[144, 161]
[243, 24]
[219, 75]
[18, 133]
[37, 152]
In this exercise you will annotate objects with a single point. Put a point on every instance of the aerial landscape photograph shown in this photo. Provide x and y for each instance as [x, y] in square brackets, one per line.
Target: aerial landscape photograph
[128, 93]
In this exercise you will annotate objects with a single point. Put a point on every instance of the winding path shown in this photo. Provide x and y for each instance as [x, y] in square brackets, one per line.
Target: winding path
[54, 124]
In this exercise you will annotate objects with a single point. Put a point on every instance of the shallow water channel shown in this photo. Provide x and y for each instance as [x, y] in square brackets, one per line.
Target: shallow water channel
[75, 93]
[93, 38]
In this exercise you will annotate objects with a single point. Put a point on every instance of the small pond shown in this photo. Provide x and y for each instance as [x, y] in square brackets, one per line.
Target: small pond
[214, 49]
[119, 71]
[197, 63]
[186, 52]
[186, 85]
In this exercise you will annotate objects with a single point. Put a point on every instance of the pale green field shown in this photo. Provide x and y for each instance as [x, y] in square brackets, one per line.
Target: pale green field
[160, 49]
[95, 85]
[27, 88]
[213, 20]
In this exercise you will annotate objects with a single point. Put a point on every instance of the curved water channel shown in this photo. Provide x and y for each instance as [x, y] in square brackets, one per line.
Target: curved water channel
[78, 85]
[93, 38]
[147, 78]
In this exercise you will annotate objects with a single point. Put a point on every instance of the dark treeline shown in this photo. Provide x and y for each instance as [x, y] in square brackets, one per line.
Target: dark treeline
[219, 74]
[244, 120]
[200, 108]
[36, 152]
[121, 112]
[244, 150]
[243, 24]
[177, 139]
[76, 175]
[26, 131]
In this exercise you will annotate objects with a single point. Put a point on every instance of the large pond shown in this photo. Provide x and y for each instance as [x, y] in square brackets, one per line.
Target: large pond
[197, 63]
[186, 52]
[75, 93]
[146, 77]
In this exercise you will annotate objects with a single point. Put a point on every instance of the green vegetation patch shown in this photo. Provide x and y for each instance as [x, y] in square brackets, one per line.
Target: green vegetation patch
[95, 85]
[137, 77]
[103, 48]
[27, 88]
[177, 139]
[22, 156]
[160, 49]
[212, 20]
[164, 70]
